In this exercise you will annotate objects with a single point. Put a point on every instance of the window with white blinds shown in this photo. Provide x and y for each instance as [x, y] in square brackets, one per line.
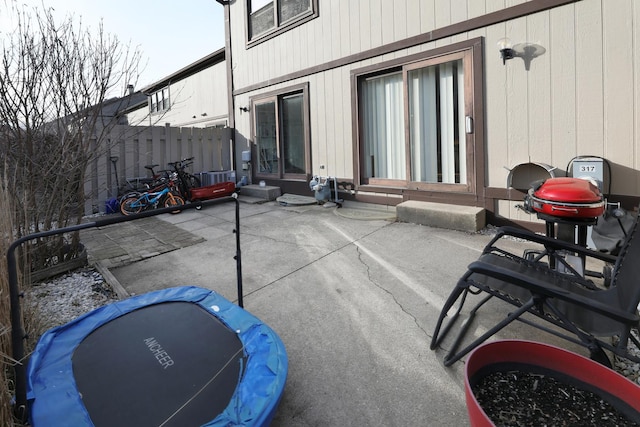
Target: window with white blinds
[412, 123]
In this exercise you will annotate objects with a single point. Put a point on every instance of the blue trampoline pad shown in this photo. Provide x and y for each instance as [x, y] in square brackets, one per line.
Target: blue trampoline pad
[177, 357]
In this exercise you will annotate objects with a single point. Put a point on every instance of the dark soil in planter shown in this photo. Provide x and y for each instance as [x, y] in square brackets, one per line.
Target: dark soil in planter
[516, 394]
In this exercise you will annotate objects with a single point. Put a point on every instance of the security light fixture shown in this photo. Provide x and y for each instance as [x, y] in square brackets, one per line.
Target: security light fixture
[506, 50]
[527, 51]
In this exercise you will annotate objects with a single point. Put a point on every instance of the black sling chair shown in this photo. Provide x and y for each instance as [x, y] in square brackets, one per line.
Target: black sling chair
[583, 313]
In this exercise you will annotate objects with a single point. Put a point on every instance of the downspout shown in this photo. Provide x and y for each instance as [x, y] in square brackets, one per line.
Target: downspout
[229, 61]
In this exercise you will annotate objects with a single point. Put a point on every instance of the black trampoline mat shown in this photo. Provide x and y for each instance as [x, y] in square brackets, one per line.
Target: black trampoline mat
[141, 368]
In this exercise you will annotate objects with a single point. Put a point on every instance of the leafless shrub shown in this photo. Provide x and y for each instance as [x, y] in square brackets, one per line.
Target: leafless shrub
[55, 78]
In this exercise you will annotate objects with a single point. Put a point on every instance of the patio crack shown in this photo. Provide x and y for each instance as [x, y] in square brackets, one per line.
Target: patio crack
[376, 284]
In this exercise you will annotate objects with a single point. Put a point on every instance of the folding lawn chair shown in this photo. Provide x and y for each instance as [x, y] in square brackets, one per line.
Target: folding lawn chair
[581, 311]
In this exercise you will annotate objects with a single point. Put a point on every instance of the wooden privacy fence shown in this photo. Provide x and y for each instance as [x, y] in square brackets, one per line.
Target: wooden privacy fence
[125, 151]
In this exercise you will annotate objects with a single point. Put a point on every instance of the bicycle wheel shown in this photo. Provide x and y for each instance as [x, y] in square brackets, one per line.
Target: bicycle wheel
[130, 205]
[173, 200]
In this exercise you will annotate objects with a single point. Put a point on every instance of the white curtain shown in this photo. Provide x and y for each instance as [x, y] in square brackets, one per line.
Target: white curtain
[436, 120]
[423, 128]
[383, 127]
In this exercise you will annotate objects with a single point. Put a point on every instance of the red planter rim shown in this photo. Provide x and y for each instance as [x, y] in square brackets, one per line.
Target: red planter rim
[548, 357]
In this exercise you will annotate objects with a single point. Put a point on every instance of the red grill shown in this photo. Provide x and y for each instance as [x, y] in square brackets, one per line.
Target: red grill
[567, 198]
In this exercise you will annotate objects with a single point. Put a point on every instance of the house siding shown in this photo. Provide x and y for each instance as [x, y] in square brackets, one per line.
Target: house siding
[203, 95]
[580, 97]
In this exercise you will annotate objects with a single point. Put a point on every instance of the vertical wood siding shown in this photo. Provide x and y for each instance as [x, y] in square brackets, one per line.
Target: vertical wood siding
[580, 97]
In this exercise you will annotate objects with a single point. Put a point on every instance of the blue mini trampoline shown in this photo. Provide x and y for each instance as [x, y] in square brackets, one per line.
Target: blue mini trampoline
[182, 356]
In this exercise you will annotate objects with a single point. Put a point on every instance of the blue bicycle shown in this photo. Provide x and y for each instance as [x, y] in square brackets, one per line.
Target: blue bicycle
[162, 196]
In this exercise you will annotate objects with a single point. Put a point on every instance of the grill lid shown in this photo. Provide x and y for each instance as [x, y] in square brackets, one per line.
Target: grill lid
[568, 190]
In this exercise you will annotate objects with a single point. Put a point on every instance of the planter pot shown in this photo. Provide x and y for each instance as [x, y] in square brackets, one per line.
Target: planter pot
[546, 361]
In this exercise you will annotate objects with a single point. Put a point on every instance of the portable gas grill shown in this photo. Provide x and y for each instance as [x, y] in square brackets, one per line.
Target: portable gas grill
[572, 198]
[572, 203]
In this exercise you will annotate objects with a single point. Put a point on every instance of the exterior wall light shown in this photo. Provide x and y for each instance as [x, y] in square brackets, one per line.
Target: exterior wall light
[526, 51]
[506, 50]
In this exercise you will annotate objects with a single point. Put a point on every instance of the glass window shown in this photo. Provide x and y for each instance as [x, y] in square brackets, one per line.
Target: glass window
[436, 120]
[159, 101]
[268, 16]
[383, 127]
[282, 136]
[266, 137]
[293, 134]
[412, 123]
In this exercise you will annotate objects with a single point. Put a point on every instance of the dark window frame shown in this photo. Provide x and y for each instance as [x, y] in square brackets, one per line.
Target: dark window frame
[474, 98]
[276, 96]
[279, 27]
[160, 96]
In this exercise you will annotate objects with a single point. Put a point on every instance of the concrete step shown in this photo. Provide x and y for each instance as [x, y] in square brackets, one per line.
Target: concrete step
[268, 192]
[442, 215]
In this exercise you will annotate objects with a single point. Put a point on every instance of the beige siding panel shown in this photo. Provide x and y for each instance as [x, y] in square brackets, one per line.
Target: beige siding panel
[376, 21]
[319, 137]
[539, 93]
[387, 22]
[399, 11]
[561, 51]
[589, 78]
[458, 13]
[476, 8]
[344, 141]
[459, 10]
[517, 99]
[335, 37]
[363, 11]
[269, 58]
[496, 110]
[427, 15]
[413, 18]
[618, 93]
[442, 13]
[507, 209]
[494, 5]
[355, 30]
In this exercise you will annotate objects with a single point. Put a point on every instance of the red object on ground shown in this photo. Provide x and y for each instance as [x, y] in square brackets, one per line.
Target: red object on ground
[214, 191]
[568, 198]
[549, 357]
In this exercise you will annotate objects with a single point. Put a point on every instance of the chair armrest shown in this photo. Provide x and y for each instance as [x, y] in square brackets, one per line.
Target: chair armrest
[549, 243]
[539, 287]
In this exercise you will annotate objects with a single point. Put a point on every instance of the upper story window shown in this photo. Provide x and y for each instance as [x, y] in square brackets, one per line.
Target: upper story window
[159, 101]
[268, 18]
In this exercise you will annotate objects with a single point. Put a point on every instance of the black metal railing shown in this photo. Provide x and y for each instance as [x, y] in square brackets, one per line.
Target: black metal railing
[17, 331]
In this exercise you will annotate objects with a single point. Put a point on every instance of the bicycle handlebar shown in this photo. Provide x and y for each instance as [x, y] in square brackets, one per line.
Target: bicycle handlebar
[182, 163]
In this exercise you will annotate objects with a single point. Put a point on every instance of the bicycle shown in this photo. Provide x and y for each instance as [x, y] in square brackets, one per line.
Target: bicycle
[185, 180]
[151, 199]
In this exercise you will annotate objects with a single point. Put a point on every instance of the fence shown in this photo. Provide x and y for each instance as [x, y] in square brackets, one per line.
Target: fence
[126, 150]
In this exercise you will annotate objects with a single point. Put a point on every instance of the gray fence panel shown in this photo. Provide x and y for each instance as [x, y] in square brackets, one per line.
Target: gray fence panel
[127, 149]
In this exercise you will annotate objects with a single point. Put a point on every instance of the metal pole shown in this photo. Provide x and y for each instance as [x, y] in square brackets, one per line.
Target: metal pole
[17, 331]
[238, 257]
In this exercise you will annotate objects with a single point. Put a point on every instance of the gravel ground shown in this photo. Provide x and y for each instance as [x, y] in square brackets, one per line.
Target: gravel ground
[63, 298]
